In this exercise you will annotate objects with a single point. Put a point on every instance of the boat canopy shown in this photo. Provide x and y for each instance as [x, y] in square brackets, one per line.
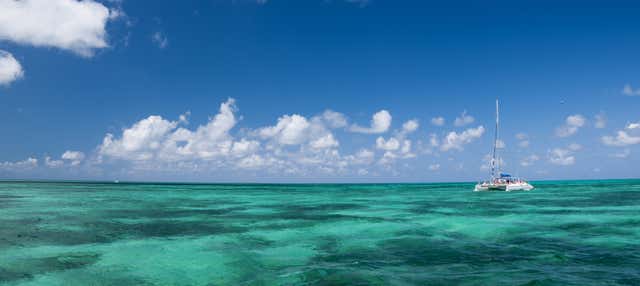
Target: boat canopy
[505, 175]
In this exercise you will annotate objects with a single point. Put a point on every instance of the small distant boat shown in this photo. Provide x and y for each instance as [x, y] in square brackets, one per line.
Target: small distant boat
[501, 181]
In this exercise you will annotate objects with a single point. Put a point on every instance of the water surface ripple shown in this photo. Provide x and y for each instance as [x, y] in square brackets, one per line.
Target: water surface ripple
[562, 233]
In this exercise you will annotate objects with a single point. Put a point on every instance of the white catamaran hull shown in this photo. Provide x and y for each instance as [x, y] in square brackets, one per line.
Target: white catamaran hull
[504, 187]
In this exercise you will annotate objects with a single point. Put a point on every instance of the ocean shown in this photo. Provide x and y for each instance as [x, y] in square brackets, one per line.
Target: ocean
[83, 233]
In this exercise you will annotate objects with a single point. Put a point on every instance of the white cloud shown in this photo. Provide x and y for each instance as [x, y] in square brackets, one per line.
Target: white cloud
[523, 144]
[51, 163]
[141, 141]
[388, 145]
[77, 26]
[75, 157]
[410, 126]
[251, 162]
[362, 157]
[621, 139]
[601, 121]
[10, 68]
[334, 119]
[406, 149]
[244, 147]
[456, 141]
[632, 126]
[500, 144]
[629, 91]
[571, 126]
[463, 120]
[295, 145]
[26, 164]
[563, 157]
[380, 123]
[160, 39]
[290, 130]
[324, 142]
[397, 146]
[434, 167]
[298, 130]
[157, 138]
[529, 160]
[437, 121]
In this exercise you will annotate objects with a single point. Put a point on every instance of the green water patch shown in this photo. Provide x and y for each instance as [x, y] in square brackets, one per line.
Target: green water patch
[153, 212]
[561, 233]
[28, 268]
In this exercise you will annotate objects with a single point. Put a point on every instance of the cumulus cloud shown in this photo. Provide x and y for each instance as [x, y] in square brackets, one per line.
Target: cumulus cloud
[464, 119]
[571, 126]
[629, 91]
[334, 119]
[157, 138]
[75, 157]
[51, 163]
[244, 147]
[290, 130]
[10, 68]
[76, 26]
[295, 145]
[397, 146]
[380, 123]
[437, 121]
[410, 126]
[388, 145]
[139, 142]
[324, 142]
[622, 138]
[362, 157]
[560, 156]
[434, 167]
[26, 164]
[456, 141]
[632, 126]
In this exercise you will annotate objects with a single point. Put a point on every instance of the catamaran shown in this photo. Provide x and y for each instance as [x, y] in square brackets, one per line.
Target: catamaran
[501, 181]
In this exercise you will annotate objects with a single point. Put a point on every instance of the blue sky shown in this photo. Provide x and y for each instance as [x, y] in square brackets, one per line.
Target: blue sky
[280, 91]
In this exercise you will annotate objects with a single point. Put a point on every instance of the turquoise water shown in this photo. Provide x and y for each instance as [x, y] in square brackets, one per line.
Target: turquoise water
[562, 233]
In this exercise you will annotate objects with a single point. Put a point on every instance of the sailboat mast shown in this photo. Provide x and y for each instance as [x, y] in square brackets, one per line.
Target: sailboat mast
[495, 144]
[495, 164]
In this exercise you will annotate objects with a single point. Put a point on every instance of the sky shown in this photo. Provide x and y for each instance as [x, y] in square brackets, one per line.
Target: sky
[318, 90]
